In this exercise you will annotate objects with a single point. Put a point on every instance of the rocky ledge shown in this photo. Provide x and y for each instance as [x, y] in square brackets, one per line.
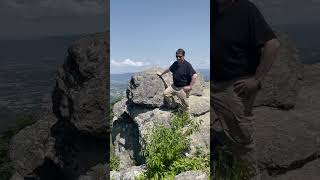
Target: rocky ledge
[143, 107]
[68, 141]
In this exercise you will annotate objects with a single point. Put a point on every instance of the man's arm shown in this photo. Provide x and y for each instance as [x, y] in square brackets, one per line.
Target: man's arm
[164, 72]
[193, 80]
[268, 57]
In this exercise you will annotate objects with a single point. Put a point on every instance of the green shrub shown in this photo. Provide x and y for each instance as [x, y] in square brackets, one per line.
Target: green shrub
[165, 148]
[114, 159]
[188, 164]
[228, 167]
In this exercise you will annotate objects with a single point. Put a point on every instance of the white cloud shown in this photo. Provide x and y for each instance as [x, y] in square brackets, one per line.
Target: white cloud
[129, 62]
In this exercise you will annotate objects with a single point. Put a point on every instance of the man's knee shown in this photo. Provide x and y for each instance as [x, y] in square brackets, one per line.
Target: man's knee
[165, 93]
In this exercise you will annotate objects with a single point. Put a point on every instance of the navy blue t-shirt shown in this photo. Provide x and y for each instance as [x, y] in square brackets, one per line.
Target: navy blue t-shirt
[182, 73]
[238, 33]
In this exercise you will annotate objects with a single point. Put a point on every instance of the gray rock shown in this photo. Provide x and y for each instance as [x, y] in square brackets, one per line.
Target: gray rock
[16, 176]
[125, 137]
[201, 140]
[192, 175]
[98, 172]
[287, 137]
[69, 139]
[130, 128]
[120, 108]
[310, 171]
[85, 177]
[33, 145]
[80, 103]
[197, 89]
[80, 95]
[115, 175]
[130, 173]
[146, 88]
[281, 85]
[136, 116]
[146, 119]
[199, 105]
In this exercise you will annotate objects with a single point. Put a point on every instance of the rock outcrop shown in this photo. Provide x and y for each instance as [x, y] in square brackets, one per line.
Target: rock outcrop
[191, 175]
[146, 88]
[80, 93]
[281, 85]
[69, 141]
[33, 145]
[289, 141]
[136, 115]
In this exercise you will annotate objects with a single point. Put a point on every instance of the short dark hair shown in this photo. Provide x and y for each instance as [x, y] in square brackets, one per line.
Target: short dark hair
[180, 51]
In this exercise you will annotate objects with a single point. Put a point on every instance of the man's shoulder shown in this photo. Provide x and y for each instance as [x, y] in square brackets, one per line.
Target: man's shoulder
[174, 63]
[187, 62]
[247, 5]
[251, 7]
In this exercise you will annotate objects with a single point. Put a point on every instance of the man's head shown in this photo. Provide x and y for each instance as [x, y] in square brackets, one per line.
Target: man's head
[180, 55]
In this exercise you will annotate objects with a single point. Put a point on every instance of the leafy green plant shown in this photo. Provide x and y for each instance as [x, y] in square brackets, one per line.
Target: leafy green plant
[165, 148]
[228, 167]
[114, 159]
[188, 164]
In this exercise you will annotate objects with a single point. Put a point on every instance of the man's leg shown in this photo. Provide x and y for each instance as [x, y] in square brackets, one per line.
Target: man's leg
[182, 95]
[168, 96]
[236, 120]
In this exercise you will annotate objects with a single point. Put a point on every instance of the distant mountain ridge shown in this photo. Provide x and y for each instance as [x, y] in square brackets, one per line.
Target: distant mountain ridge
[126, 76]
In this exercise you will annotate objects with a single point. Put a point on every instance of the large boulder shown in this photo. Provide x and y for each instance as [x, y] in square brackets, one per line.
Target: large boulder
[200, 105]
[69, 139]
[32, 146]
[97, 172]
[80, 94]
[192, 175]
[200, 140]
[132, 122]
[146, 119]
[125, 137]
[146, 88]
[288, 140]
[128, 174]
[310, 171]
[281, 85]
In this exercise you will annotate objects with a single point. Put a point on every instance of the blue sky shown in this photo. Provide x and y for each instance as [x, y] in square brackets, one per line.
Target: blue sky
[146, 33]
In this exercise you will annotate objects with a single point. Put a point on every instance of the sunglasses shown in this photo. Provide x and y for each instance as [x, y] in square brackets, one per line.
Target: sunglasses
[178, 56]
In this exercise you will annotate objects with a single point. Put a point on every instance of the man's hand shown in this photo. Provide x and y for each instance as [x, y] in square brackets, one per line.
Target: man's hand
[159, 73]
[187, 88]
[245, 86]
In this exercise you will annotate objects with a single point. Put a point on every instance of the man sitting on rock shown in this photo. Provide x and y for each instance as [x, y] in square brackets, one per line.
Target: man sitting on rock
[184, 77]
